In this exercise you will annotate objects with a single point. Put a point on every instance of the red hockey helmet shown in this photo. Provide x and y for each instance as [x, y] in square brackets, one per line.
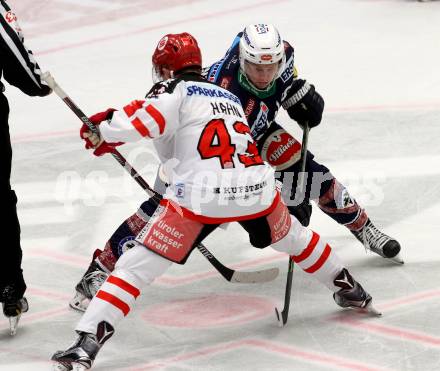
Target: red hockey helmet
[176, 52]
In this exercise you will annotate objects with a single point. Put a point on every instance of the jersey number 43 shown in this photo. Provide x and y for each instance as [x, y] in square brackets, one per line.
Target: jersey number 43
[215, 141]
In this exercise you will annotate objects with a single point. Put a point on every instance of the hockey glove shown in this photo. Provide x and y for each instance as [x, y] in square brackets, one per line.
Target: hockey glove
[302, 212]
[306, 105]
[94, 140]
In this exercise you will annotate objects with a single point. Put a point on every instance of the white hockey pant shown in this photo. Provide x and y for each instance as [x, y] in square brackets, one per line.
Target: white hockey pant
[135, 269]
[312, 253]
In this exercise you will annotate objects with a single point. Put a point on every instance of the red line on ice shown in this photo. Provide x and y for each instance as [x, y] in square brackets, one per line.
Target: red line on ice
[393, 331]
[421, 296]
[160, 26]
[428, 106]
[68, 259]
[73, 16]
[271, 347]
[166, 280]
[48, 294]
[41, 136]
[29, 318]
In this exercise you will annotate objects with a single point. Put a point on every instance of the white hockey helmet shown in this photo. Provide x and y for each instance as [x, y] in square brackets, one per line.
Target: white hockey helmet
[261, 44]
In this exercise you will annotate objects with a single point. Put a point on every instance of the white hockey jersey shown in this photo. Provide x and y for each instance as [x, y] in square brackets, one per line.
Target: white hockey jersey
[201, 135]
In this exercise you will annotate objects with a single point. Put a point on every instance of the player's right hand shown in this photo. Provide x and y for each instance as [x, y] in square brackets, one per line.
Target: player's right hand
[93, 139]
[99, 117]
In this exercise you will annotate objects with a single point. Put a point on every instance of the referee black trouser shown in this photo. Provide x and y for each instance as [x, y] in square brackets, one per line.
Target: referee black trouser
[10, 249]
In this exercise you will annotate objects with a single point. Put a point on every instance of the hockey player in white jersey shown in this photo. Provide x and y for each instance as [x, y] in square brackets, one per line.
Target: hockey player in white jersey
[201, 135]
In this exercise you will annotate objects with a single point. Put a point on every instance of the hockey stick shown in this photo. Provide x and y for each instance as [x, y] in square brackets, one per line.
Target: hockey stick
[282, 317]
[229, 274]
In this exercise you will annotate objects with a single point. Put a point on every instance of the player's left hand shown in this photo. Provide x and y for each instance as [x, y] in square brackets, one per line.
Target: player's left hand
[302, 212]
[309, 109]
[96, 142]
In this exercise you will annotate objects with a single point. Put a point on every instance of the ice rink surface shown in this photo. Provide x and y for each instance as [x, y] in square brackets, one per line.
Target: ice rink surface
[377, 65]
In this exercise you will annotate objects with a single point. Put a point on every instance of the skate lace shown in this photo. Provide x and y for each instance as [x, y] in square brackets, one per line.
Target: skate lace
[373, 238]
[8, 294]
[95, 280]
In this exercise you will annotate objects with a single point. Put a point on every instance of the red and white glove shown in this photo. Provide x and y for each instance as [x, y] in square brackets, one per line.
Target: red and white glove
[94, 140]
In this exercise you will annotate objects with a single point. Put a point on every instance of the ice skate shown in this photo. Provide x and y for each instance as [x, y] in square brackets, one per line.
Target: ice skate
[352, 294]
[14, 310]
[13, 307]
[378, 242]
[88, 286]
[79, 356]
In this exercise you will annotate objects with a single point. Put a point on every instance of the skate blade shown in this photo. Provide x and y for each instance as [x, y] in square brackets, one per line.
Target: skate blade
[58, 366]
[397, 259]
[371, 310]
[13, 324]
[79, 302]
[79, 367]
[279, 317]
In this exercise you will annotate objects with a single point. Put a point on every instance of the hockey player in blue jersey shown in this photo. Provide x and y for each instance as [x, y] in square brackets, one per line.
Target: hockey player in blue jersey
[259, 68]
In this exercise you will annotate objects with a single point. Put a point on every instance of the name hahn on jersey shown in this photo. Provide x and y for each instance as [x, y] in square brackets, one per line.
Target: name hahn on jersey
[225, 108]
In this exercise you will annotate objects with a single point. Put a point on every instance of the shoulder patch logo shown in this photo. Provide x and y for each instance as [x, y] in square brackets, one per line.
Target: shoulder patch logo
[10, 17]
[166, 86]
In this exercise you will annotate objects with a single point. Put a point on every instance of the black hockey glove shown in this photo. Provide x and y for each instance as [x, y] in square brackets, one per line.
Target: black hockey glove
[305, 105]
[302, 212]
